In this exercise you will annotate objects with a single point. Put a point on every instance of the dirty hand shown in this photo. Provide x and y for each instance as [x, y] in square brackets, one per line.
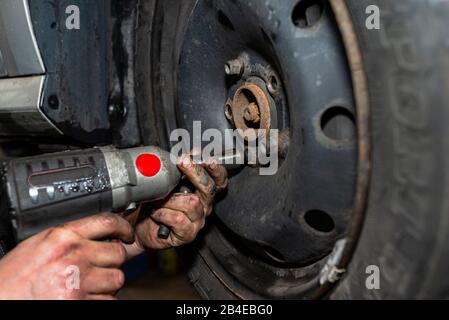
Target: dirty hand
[185, 214]
[68, 262]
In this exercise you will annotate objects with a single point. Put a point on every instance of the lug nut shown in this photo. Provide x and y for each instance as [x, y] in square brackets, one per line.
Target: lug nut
[273, 84]
[234, 67]
[228, 111]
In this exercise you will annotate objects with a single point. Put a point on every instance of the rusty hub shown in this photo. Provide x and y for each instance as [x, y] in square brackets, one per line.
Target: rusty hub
[250, 109]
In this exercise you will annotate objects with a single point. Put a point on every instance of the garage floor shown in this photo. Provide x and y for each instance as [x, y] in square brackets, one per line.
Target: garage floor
[154, 286]
[157, 276]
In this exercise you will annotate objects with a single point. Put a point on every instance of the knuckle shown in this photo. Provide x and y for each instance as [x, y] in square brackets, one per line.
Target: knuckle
[61, 235]
[192, 234]
[158, 213]
[201, 225]
[225, 184]
[208, 210]
[179, 219]
[194, 202]
[211, 190]
[109, 220]
[129, 233]
[121, 253]
[119, 278]
[196, 229]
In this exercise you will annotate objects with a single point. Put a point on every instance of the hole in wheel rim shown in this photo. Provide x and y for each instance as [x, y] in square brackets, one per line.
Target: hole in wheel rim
[307, 13]
[338, 124]
[319, 221]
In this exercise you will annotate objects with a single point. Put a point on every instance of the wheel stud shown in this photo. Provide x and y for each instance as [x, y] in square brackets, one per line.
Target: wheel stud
[234, 67]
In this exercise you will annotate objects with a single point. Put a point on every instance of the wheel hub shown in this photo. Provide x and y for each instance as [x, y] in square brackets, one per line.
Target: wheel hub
[251, 109]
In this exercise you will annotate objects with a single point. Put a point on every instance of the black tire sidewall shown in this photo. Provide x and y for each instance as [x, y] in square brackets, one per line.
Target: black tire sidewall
[406, 219]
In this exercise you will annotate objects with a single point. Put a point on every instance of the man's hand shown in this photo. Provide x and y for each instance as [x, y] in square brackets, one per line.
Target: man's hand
[42, 266]
[185, 214]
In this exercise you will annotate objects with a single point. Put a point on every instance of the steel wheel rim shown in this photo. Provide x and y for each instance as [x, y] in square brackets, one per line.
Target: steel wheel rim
[308, 273]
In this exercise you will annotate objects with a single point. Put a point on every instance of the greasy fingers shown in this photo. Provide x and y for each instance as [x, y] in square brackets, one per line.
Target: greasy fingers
[66, 262]
[201, 180]
[182, 229]
[185, 214]
[106, 254]
[189, 204]
[218, 174]
[102, 280]
[147, 238]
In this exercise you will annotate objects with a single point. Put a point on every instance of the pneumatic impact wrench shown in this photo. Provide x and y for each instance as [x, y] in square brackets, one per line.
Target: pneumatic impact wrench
[51, 189]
